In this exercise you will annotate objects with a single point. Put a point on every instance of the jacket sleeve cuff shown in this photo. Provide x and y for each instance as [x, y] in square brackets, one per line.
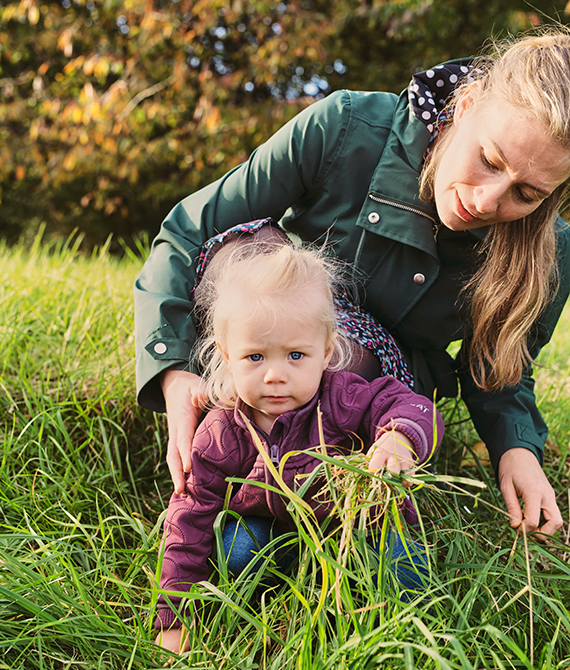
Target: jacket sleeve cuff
[167, 618]
[496, 454]
[162, 351]
[150, 395]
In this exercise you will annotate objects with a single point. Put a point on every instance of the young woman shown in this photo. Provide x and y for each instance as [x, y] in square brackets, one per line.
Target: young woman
[445, 201]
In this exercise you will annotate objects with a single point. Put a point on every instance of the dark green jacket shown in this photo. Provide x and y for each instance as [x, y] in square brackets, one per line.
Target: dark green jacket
[346, 170]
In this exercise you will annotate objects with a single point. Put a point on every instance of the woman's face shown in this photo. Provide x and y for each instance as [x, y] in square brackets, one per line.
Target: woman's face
[498, 166]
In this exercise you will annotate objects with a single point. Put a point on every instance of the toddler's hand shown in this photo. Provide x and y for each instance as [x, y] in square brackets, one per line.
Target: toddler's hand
[394, 451]
[174, 639]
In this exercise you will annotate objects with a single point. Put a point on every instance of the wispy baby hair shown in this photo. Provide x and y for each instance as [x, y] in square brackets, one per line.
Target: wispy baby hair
[268, 281]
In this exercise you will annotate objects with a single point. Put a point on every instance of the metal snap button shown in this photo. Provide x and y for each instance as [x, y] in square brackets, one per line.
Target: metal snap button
[160, 348]
[374, 217]
[419, 278]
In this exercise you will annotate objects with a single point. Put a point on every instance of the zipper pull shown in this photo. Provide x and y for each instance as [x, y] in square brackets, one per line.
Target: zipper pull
[274, 454]
[435, 229]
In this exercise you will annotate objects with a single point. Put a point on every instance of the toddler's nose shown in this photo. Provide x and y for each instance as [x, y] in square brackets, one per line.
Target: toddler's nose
[275, 374]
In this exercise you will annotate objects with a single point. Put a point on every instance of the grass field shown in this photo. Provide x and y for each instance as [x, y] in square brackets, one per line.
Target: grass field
[84, 485]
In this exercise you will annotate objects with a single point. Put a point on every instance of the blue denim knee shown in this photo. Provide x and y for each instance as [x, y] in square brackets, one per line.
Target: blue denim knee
[241, 544]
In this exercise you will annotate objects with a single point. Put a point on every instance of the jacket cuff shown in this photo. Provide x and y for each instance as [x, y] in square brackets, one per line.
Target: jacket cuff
[166, 619]
[523, 435]
[162, 351]
[150, 395]
[497, 455]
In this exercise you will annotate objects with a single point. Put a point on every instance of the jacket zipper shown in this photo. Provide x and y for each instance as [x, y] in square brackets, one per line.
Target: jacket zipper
[398, 205]
[274, 454]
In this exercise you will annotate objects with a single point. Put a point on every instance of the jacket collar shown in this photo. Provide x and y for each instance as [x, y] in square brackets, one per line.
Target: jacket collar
[395, 182]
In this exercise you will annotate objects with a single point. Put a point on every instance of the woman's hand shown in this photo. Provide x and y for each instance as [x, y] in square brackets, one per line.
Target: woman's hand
[185, 397]
[394, 451]
[520, 476]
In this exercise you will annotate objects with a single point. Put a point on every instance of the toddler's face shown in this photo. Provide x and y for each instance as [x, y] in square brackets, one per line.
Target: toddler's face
[276, 365]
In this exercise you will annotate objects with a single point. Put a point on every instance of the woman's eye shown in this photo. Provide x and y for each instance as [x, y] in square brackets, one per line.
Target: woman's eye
[296, 355]
[486, 162]
[521, 195]
[255, 358]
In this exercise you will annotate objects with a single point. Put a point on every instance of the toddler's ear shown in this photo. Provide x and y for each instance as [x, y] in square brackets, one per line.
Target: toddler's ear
[224, 353]
[330, 349]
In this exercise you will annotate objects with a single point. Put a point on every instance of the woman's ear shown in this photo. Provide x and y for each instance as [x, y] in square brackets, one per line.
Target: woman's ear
[330, 349]
[466, 101]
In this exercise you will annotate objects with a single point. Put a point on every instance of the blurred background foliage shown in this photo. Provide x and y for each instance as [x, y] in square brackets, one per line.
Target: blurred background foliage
[113, 110]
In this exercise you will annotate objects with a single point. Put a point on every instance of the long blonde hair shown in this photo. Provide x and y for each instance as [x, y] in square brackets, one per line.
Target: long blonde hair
[272, 280]
[517, 276]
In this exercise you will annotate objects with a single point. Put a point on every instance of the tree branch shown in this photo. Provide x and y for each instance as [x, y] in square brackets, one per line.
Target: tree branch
[139, 97]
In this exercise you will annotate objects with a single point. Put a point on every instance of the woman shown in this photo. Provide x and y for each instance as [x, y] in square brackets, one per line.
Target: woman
[447, 212]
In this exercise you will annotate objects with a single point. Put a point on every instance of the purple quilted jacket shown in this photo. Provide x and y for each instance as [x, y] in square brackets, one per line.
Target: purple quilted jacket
[223, 447]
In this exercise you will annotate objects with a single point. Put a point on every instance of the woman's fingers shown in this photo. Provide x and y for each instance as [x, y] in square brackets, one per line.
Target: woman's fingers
[184, 396]
[522, 478]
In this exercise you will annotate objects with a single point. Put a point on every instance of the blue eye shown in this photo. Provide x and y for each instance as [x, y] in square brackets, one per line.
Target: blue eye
[296, 355]
[255, 358]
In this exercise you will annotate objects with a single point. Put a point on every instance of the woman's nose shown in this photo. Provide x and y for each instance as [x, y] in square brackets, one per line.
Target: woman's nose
[488, 196]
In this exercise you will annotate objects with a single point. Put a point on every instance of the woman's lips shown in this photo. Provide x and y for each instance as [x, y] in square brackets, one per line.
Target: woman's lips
[463, 213]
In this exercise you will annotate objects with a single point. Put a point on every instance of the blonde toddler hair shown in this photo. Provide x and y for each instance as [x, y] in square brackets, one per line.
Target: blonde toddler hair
[270, 280]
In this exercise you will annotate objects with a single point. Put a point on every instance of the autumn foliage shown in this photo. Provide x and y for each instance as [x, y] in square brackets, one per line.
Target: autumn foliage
[113, 110]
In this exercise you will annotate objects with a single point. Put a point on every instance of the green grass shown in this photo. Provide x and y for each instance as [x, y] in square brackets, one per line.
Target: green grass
[84, 485]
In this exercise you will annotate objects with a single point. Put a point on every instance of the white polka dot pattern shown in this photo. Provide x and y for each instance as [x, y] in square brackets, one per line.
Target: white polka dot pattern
[442, 79]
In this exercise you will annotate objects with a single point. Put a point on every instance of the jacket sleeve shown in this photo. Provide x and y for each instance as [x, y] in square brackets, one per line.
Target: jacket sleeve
[510, 418]
[274, 179]
[383, 404]
[189, 524]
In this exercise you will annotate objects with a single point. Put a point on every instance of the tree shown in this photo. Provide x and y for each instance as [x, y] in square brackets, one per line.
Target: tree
[113, 110]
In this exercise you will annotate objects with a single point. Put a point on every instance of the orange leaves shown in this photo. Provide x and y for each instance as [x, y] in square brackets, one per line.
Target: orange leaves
[93, 64]
[89, 64]
[69, 161]
[65, 42]
[110, 145]
[35, 129]
[73, 65]
[25, 10]
[30, 7]
[101, 68]
[87, 95]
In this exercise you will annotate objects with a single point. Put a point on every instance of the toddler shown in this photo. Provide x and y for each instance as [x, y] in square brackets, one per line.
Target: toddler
[270, 323]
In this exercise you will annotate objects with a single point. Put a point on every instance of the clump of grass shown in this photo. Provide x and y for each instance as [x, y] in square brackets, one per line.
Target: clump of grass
[357, 489]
